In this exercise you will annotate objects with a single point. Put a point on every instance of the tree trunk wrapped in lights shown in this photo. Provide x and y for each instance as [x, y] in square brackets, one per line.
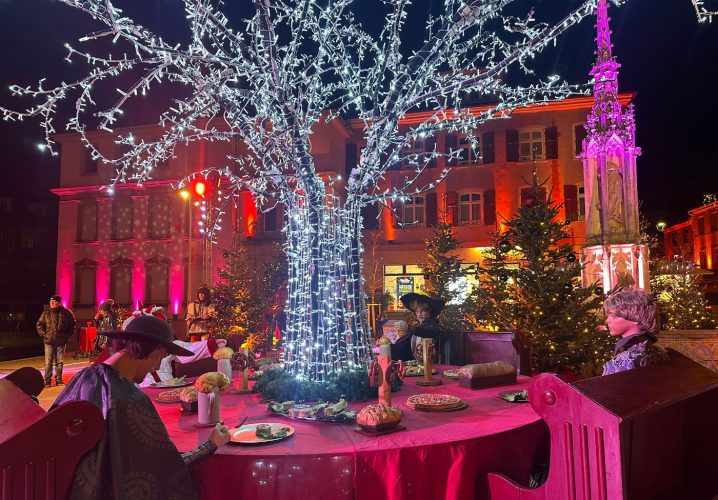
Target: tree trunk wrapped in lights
[290, 66]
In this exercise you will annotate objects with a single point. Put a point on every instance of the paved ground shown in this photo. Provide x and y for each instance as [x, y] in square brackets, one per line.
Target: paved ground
[47, 396]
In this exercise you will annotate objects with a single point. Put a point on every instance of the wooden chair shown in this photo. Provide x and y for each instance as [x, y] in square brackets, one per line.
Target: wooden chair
[643, 433]
[39, 450]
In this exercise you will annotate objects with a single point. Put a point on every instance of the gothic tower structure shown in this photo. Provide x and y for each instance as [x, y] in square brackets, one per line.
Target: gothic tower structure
[613, 254]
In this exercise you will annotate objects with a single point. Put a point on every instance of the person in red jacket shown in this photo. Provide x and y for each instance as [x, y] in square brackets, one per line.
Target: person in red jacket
[55, 326]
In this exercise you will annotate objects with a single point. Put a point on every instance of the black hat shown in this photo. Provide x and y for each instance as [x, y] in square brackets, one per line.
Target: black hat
[107, 305]
[435, 305]
[151, 329]
[56, 298]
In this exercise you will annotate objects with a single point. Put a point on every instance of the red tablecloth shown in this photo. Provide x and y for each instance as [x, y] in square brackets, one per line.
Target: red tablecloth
[439, 455]
[88, 334]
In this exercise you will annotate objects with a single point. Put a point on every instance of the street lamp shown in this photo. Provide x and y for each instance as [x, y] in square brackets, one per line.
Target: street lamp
[661, 225]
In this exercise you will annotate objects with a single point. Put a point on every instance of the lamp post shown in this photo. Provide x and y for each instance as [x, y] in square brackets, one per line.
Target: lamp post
[186, 197]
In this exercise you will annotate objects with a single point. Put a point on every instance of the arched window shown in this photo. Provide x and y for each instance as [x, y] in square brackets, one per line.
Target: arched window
[157, 284]
[121, 281]
[85, 277]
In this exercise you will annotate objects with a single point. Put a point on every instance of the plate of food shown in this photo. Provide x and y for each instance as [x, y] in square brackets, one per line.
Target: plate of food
[261, 433]
[521, 396]
[173, 382]
[319, 412]
[169, 397]
[452, 374]
[414, 369]
[435, 402]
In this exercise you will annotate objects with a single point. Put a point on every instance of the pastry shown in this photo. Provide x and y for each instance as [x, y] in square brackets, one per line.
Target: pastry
[264, 431]
[433, 402]
[486, 370]
[169, 396]
[379, 417]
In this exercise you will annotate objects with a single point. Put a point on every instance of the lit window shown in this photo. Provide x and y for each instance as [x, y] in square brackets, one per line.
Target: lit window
[413, 211]
[530, 142]
[469, 208]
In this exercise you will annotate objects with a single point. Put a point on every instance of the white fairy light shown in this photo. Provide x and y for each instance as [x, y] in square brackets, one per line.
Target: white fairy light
[269, 91]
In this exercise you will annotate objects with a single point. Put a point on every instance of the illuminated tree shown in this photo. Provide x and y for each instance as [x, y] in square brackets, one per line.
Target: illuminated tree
[283, 68]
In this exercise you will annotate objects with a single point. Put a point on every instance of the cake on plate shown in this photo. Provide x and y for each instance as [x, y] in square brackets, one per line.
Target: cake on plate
[379, 417]
[433, 402]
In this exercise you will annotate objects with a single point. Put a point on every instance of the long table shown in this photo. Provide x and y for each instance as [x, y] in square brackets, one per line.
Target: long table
[439, 455]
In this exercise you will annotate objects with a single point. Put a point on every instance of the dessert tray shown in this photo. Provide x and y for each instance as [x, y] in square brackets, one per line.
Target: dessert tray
[173, 382]
[247, 434]
[169, 397]
[317, 412]
[521, 396]
[435, 402]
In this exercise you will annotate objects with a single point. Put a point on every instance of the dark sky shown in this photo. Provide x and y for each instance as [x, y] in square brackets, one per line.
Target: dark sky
[667, 56]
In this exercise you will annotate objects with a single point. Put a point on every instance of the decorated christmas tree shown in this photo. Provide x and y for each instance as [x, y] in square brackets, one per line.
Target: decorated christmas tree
[682, 303]
[543, 299]
[445, 277]
[239, 300]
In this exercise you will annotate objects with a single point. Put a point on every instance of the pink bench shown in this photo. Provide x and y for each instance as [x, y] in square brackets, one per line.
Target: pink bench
[643, 433]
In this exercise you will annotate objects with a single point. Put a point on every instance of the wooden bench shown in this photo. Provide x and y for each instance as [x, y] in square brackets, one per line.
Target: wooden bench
[644, 433]
[39, 450]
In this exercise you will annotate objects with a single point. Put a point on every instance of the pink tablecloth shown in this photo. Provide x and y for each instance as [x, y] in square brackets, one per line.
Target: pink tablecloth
[439, 455]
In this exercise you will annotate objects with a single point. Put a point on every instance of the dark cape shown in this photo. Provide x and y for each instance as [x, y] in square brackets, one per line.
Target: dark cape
[135, 457]
[429, 328]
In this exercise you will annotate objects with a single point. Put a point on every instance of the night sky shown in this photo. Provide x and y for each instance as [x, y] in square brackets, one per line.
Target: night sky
[667, 56]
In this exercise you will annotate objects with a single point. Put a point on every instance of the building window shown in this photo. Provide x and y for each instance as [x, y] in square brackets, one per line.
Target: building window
[90, 164]
[7, 242]
[702, 259]
[122, 215]
[714, 222]
[157, 285]
[469, 150]
[87, 222]
[531, 141]
[701, 225]
[402, 279]
[469, 208]
[27, 238]
[5, 204]
[581, 201]
[121, 281]
[85, 278]
[158, 225]
[413, 211]
[412, 156]
[270, 219]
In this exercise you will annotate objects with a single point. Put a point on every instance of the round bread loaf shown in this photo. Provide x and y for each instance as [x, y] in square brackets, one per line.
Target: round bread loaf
[486, 370]
[379, 415]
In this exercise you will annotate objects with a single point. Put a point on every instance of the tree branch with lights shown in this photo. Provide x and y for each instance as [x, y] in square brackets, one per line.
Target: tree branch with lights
[292, 66]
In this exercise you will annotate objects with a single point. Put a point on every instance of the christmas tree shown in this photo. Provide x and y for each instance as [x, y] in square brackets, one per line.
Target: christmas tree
[445, 278]
[542, 298]
[681, 300]
[239, 301]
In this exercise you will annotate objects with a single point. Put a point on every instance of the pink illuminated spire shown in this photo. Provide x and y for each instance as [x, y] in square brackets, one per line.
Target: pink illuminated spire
[607, 116]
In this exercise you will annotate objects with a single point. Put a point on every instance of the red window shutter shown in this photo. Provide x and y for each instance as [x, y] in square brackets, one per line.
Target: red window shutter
[512, 145]
[429, 146]
[452, 207]
[431, 210]
[450, 144]
[488, 153]
[570, 200]
[490, 207]
[580, 134]
[551, 143]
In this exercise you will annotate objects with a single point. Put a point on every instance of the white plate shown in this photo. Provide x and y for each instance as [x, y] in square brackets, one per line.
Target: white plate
[247, 434]
[165, 385]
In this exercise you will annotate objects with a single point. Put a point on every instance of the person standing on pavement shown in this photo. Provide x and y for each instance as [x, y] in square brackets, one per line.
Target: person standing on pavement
[55, 326]
[105, 321]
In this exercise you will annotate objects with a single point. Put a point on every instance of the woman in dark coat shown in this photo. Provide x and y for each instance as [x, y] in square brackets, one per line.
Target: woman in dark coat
[426, 310]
